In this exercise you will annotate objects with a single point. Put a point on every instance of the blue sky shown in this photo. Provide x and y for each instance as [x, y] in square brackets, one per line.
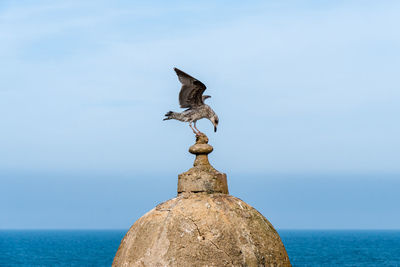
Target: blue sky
[307, 93]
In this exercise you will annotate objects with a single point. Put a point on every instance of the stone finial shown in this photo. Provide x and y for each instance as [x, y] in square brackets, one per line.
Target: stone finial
[202, 226]
[202, 178]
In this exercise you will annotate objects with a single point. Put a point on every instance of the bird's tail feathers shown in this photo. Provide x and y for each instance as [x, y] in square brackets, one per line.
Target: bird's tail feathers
[169, 115]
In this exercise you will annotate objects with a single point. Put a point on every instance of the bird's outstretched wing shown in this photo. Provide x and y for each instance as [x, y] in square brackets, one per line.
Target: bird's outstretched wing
[191, 94]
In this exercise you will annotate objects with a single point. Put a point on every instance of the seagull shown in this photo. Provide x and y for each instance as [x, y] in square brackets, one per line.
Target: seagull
[191, 97]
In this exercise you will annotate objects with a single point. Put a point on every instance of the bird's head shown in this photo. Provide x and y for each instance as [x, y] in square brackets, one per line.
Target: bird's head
[214, 119]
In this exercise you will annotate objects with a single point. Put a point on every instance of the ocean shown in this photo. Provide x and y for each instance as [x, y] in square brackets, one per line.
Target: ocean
[98, 247]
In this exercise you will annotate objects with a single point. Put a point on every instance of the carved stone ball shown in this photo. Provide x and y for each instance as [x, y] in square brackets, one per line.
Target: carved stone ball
[202, 226]
[200, 229]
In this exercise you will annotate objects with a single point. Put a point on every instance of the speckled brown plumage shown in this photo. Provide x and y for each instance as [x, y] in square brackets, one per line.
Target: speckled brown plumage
[191, 97]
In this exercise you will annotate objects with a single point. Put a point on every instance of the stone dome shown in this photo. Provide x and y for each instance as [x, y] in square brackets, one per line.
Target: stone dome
[202, 226]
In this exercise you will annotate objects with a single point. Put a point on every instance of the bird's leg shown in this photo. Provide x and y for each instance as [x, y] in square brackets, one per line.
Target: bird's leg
[199, 133]
[190, 124]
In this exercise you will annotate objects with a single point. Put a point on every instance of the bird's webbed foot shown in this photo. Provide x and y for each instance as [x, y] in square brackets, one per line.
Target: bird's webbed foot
[199, 133]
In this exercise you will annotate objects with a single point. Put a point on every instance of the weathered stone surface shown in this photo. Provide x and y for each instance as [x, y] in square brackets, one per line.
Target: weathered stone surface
[199, 229]
[202, 177]
[202, 226]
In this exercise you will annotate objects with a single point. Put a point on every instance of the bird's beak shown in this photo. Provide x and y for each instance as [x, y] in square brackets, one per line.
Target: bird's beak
[215, 128]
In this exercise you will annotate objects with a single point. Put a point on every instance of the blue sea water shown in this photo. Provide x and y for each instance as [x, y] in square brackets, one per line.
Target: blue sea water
[97, 248]
[342, 248]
